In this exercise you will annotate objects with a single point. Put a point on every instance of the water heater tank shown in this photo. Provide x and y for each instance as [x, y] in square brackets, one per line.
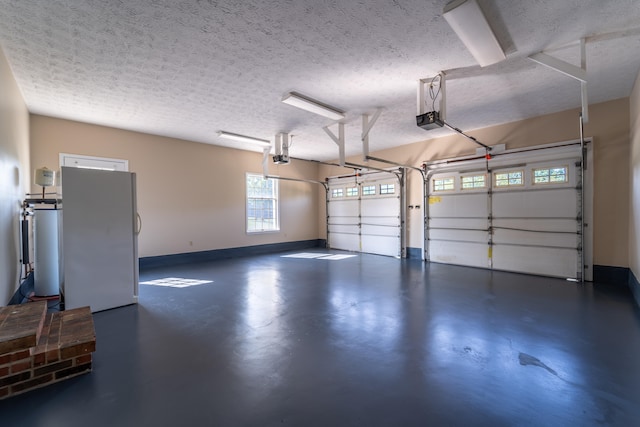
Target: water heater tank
[47, 270]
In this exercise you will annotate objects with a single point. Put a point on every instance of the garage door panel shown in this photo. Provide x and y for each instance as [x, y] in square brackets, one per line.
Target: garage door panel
[535, 239]
[343, 220]
[343, 208]
[536, 204]
[385, 206]
[386, 221]
[467, 223]
[384, 230]
[347, 242]
[544, 261]
[470, 254]
[468, 205]
[380, 245]
[344, 228]
[538, 224]
[459, 235]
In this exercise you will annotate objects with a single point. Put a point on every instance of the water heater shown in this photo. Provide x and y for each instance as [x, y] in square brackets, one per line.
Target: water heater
[47, 261]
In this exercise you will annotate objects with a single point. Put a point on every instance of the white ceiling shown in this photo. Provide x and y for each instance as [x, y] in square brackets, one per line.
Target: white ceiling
[190, 68]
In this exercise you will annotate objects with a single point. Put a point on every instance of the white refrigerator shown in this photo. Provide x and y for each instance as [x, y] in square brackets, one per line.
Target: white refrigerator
[99, 238]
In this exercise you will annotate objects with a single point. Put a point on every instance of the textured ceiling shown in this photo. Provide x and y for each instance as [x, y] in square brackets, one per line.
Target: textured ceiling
[189, 68]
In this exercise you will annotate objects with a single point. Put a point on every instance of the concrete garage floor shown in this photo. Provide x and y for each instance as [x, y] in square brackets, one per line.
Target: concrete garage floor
[361, 341]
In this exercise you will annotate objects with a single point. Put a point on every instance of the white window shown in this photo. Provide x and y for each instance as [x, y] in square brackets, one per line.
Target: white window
[369, 190]
[337, 192]
[387, 188]
[471, 182]
[262, 204]
[91, 162]
[444, 184]
[352, 191]
[509, 179]
[557, 175]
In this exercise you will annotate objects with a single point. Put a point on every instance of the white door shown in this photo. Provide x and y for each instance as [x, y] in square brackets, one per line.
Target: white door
[364, 213]
[520, 211]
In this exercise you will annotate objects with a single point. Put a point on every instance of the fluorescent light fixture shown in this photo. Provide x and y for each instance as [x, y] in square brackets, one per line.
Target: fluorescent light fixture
[243, 138]
[308, 104]
[471, 26]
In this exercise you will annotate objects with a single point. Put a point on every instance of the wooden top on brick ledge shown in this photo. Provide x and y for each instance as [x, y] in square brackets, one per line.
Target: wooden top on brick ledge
[21, 325]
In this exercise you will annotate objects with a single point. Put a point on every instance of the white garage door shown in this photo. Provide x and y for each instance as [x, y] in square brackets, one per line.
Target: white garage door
[520, 211]
[364, 213]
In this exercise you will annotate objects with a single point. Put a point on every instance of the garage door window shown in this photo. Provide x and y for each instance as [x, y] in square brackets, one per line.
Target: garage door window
[444, 184]
[509, 179]
[337, 192]
[557, 175]
[387, 188]
[369, 190]
[352, 191]
[262, 204]
[472, 182]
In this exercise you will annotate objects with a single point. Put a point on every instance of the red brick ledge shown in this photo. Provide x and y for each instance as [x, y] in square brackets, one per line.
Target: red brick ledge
[57, 348]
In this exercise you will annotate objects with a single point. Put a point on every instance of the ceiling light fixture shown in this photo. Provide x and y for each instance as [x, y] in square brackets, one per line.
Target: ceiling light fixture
[243, 138]
[471, 26]
[308, 104]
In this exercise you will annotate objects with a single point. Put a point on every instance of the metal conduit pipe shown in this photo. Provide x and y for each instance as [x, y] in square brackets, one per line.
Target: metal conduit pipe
[389, 162]
[582, 168]
[370, 168]
[324, 163]
[455, 129]
[311, 181]
[428, 164]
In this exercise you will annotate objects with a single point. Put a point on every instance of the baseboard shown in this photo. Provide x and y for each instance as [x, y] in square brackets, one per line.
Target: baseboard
[611, 275]
[414, 253]
[634, 285]
[217, 254]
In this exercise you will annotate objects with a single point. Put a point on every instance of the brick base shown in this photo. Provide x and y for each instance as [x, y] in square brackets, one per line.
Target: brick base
[57, 348]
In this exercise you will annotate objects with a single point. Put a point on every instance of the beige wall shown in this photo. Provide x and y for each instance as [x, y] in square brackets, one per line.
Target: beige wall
[608, 125]
[14, 177]
[634, 191]
[191, 196]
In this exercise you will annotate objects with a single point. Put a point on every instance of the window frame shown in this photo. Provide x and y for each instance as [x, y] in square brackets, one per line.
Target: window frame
[508, 172]
[93, 162]
[353, 190]
[484, 179]
[275, 197]
[365, 188]
[335, 195]
[385, 191]
[443, 190]
[549, 168]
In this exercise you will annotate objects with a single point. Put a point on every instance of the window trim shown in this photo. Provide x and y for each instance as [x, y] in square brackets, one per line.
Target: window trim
[433, 184]
[484, 186]
[93, 162]
[365, 187]
[509, 185]
[337, 196]
[566, 175]
[386, 192]
[277, 205]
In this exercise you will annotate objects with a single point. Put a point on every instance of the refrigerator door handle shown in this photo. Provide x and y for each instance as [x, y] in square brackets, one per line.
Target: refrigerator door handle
[138, 223]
